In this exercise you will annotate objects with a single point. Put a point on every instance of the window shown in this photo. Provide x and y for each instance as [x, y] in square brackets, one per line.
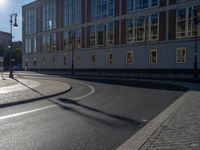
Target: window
[93, 4]
[130, 30]
[78, 38]
[180, 0]
[72, 12]
[153, 56]
[154, 3]
[44, 60]
[28, 45]
[54, 45]
[181, 55]
[154, 27]
[101, 34]
[141, 4]
[110, 58]
[181, 23]
[30, 21]
[65, 60]
[93, 59]
[185, 22]
[92, 35]
[71, 40]
[110, 7]
[48, 49]
[66, 36]
[110, 34]
[43, 43]
[140, 29]
[130, 5]
[197, 18]
[49, 16]
[34, 62]
[190, 21]
[101, 8]
[26, 62]
[78, 59]
[129, 57]
[35, 44]
[54, 60]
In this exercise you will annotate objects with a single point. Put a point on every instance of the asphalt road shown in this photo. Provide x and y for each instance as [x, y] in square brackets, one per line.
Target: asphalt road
[97, 115]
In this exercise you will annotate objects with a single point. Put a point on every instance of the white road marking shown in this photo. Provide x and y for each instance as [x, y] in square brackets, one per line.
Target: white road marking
[47, 107]
[26, 112]
[90, 93]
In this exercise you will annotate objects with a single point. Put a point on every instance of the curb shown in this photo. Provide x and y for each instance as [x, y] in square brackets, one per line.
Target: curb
[35, 99]
[139, 138]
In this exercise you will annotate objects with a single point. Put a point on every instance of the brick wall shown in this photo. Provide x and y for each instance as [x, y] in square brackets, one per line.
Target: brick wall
[116, 33]
[123, 6]
[123, 31]
[172, 24]
[116, 7]
[162, 26]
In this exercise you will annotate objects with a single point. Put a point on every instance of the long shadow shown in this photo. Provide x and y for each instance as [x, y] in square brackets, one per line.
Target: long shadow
[122, 81]
[66, 105]
[139, 84]
[25, 101]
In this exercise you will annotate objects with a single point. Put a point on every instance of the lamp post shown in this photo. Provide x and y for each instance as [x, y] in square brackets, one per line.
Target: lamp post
[72, 41]
[15, 26]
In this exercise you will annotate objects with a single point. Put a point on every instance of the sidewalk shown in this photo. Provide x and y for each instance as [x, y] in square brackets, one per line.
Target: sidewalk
[176, 128]
[6, 82]
[20, 90]
[180, 131]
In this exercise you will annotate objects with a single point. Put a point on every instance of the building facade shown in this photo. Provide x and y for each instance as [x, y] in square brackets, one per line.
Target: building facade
[4, 43]
[112, 36]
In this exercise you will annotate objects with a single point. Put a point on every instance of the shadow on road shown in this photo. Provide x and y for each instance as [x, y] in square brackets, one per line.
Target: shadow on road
[139, 84]
[25, 101]
[96, 114]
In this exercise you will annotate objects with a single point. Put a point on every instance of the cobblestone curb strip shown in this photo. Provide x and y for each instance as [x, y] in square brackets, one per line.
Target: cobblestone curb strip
[30, 93]
[138, 140]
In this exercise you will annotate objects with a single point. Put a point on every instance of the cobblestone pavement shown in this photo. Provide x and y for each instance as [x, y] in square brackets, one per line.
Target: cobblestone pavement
[7, 82]
[46, 88]
[180, 131]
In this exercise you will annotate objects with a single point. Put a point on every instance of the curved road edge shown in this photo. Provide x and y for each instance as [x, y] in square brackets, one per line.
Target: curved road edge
[67, 88]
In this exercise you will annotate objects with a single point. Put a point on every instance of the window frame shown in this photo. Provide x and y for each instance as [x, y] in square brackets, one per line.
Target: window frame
[78, 59]
[150, 56]
[178, 34]
[185, 56]
[150, 28]
[93, 62]
[128, 39]
[65, 60]
[107, 34]
[132, 55]
[110, 61]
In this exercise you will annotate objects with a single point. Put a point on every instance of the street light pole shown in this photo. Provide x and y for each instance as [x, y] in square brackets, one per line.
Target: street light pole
[10, 54]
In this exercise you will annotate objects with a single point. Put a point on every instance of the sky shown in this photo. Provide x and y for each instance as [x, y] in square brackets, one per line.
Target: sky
[12, 6]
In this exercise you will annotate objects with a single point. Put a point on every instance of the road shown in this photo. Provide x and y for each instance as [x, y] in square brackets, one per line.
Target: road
[92, 116]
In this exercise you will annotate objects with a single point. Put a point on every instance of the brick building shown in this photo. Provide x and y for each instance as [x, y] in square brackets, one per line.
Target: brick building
[129, 37]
